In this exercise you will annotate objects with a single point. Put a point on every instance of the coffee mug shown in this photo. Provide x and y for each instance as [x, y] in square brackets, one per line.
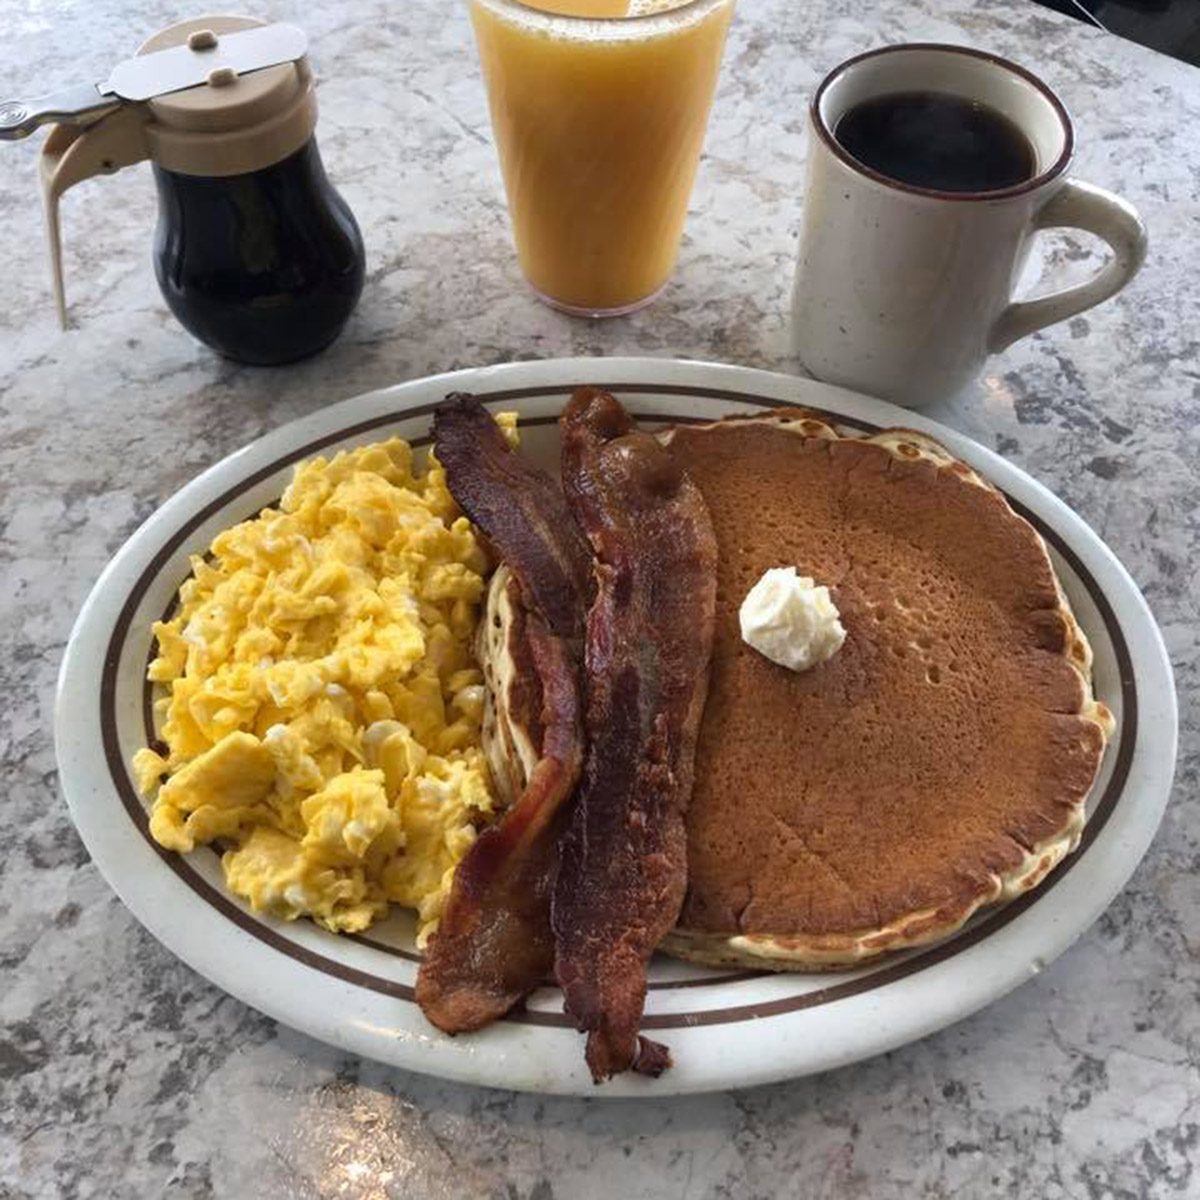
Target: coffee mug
[903, 291]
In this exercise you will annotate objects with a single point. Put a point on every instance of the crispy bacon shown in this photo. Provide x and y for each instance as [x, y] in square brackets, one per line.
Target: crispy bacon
[521, 511]
[493, 943]
[623, 864]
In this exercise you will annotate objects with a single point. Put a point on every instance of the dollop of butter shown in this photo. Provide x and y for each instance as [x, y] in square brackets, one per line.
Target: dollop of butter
[790, 620]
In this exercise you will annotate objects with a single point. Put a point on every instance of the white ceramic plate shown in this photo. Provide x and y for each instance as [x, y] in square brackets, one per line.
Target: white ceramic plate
[725, 1028]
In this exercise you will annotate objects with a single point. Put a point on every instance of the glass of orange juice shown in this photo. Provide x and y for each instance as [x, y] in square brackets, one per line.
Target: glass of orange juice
[599, 109]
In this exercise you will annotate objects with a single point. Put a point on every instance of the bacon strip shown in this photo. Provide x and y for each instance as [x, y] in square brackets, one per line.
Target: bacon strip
[493, 944]
[520, 510]
[623, 862]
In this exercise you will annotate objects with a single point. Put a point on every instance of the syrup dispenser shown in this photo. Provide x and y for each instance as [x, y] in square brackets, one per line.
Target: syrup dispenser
[256, 253]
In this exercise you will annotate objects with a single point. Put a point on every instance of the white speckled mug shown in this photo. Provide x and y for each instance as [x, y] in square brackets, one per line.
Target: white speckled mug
[904, 291]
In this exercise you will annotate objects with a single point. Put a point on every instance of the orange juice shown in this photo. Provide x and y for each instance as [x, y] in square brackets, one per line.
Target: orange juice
[599, 124]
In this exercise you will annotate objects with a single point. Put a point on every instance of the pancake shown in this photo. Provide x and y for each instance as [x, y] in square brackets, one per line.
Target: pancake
[939, 762]
[512, 728]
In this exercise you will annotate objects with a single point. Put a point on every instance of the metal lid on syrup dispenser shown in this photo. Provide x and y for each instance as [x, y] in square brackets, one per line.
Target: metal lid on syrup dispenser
[235, 121]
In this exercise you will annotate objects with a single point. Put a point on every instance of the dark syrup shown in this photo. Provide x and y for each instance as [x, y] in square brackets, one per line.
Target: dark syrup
[937, 141]
[264, 267]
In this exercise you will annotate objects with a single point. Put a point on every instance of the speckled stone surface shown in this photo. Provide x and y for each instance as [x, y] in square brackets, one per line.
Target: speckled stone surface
[122, 1073]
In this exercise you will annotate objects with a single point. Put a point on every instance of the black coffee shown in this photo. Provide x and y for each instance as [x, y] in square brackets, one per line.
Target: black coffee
[934, 140]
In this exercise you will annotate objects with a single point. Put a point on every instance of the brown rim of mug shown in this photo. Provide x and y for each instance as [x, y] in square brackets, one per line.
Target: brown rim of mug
[1051, 172]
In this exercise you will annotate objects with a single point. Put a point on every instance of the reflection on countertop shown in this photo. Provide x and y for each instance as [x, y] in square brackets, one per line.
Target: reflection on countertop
[1169, 26]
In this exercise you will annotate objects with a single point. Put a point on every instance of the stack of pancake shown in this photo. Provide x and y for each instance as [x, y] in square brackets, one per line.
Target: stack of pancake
[940, 761]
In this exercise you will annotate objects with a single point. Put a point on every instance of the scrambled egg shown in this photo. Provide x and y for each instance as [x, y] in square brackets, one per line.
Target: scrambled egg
[322, 720]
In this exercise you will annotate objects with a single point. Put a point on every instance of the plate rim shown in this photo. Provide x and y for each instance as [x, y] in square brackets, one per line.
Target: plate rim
[555, 376]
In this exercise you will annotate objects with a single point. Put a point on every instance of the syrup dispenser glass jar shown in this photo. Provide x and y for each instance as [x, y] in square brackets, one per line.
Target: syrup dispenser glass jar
[263, 267]
[257, 254]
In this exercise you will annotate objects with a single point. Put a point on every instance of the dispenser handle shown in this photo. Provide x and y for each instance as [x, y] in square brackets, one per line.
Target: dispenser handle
[71, 154]
[19, 118]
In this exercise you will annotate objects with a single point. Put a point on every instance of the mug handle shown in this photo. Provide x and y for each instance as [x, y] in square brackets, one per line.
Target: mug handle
[1078, 205]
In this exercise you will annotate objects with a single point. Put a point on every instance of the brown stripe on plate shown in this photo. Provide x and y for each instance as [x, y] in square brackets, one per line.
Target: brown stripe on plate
[895, 969]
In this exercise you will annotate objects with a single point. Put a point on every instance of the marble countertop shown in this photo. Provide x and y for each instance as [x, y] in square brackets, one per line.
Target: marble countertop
[122, 1073]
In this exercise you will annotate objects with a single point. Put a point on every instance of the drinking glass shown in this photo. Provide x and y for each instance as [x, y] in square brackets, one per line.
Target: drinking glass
[599, 121]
